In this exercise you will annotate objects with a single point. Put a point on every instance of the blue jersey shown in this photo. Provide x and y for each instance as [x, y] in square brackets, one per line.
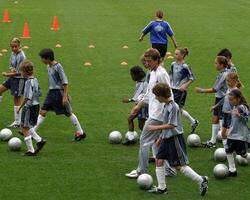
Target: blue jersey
[158, 32]
[16, 60]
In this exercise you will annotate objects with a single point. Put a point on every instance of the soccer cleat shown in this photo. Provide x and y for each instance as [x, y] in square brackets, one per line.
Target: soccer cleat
[151, 160]
[14, 125]
[40, 145]
[79, 136]
[208, 144]
[194, 126]
[232, 174]
[29, 153]
[129, 142]
[133, 174]
[204, 186]
[156, 190]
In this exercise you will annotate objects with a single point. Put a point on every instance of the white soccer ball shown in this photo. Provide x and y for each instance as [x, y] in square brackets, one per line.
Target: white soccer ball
[115, 137]
[193, 140]
[220, 171]
[220, 155]
[136, 136]
[145, 181]
[241, 161]
[5, 134]
[219, 136]
[15, 144]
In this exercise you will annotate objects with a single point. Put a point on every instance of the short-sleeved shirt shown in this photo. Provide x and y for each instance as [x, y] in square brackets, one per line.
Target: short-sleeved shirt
[140, 89]
[171, 116]
[226, 106]
[220, 85]
[238, 129]
[179, 74]
[16, 60]
[158, 32]
[57, 77]
[32, 92]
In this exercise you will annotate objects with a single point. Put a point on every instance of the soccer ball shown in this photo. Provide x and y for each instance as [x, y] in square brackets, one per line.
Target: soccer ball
[15, 144]
[241, 161]
[220, 171]
[219, 136]
[115, 137]
[193, 140]
[136, 136]
[220, 155]
[5, 134]
[145, 181]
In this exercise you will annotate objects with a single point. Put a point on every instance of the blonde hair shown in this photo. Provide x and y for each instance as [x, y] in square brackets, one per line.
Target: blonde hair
[16, 40]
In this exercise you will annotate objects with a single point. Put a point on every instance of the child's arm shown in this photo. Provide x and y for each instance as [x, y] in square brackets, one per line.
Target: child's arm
[185, 86]
[22, 104]
[65, 95]
[174, 41]
[11, 73]
[160, 127]
[205, 90]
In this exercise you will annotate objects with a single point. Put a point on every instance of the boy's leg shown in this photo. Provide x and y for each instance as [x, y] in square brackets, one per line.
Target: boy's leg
[28, 141]
[80, 134]
[40, 119]
[194, 122]
[160, 174]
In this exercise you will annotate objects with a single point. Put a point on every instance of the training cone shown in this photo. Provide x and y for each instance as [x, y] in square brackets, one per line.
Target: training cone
[87, 64]
[1, 54]
[170, 57]
[25, 47]
[58, 46]
[168, 54]
[26, 33]
[6, 18]
[55, 26]
[4, 50]
[91, 46]
[124, 63]
[125, 47]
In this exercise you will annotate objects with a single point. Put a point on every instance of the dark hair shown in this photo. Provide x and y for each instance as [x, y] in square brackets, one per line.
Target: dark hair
[225, 52]
[159, 14]
[162, 90]
[27, 67]
[184, 51]
[138, 73]
[238, 95]
[234, 76]
[222, 60]
[47, 54]
[153, 54]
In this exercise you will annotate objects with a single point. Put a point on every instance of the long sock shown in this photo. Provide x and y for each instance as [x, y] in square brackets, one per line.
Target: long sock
[215, 130]
[28, 141]
[224, 142]
[189, 172]
[187, 116]
[154, 150]
[160, 175]
[221, 123]
[17, 116]
[34, 135]
[1, 98]
[231, 163]
[40, 120]
[76, 123]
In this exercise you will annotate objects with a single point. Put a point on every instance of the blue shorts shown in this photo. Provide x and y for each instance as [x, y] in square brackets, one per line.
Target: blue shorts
[29, 116]
[15, 85]
[53, 102]
[179, 97]
[226, 120]
[238, 146]
[143, 113]
[218, 111]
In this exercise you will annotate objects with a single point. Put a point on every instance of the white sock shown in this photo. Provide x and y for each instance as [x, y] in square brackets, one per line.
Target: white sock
[231, 163]
[28, 141]
[17, 116]
[154, 150]
[187, 116]
[34, 135]
[189, 172]
[221, 124]
[224, 142]
[130, 135]
[1, 98]
[40, 120]
[160, 175]
[76, 123]
[215, 130]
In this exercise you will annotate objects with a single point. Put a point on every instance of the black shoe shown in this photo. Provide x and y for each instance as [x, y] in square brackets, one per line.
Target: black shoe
[151, 160]
[204, 186]
[194, 126]
[232, 174]
[129, 142]
[29, 153]
[208, 144]
[156, 190]
[79, 136]
[40, 145]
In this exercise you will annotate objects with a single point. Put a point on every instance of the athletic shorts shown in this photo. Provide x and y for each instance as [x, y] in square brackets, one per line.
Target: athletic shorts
[226, 120]
[179, 97]
[174, 151]
[54, 102]
[143, 113]
[15, 85]
[29, 116]
[238, 146]
[162, 48]
[218, 110]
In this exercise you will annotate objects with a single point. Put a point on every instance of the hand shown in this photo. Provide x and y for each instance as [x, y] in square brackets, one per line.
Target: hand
[5, 74]
[183, 88]
[65, 100]
[158, 142]
[151, 128]
[125, 101]
[198, 90]
[236, 112]
[140, 39]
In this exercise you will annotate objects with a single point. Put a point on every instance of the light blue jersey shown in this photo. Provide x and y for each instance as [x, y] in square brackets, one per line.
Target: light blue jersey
[16, 60]
[32, 92]
[57, 77]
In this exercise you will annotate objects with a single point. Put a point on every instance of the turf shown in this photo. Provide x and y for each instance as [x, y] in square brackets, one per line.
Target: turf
[94, 169]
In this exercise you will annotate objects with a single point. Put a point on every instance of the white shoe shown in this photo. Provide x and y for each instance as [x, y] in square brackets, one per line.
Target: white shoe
[14, 125]
[133, 174]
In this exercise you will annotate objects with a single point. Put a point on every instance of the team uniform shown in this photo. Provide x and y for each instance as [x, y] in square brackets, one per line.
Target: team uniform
[158, 35]
[232, 69]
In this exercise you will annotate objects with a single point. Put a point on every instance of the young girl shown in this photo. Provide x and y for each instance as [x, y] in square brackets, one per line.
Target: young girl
[137, 75]
[181, 77]
[233, 82]
[238, 134]
[172, 143]
[31, 108]
[15, 82]
[219, 88]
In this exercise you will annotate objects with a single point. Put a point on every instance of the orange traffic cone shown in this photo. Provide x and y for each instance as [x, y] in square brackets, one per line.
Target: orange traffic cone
[26, 33]
[55, 24]
[6, 18]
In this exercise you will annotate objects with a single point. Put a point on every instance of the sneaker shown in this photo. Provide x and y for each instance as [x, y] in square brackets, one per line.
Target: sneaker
[194, 126]
[29, 153]
[204, 186]
[208, 144]
[156, 190]
[232, 174]
[133, 174]
[129, 142]
[151, 160]
[79, 136]
[14, 125]
[40, 145]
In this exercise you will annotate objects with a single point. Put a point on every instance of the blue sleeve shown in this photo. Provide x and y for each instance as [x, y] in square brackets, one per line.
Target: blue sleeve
[169, 30]
[148, 28]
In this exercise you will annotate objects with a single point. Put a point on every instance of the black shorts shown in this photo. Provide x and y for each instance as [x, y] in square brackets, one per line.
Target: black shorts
[218, 111]
[15, 85]
[29, 116]
[174, 151]
[143, 113]
[162, 48]
[180, 97]
[53, 102]
[226, 120]
[238, 146]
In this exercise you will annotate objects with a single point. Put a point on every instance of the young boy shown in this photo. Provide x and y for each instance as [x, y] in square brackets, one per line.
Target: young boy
[31, 107]
[57, 99]
[228, 54]
[172, 143]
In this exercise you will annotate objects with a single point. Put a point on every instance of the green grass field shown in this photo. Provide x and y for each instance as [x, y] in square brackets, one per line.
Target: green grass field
[94, 169]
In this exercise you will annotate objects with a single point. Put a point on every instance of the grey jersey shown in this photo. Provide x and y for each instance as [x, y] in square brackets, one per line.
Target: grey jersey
[180, 74]
[238, 129]
[226, 106]
[220, 85]
[171, 115]
[16, 60]
[140, 89]
[57, 77]
[32, 92]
